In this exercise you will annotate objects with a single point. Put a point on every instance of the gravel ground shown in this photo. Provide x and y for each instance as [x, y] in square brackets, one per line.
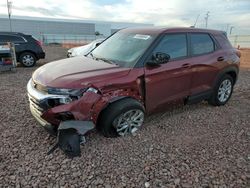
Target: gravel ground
[187, 146]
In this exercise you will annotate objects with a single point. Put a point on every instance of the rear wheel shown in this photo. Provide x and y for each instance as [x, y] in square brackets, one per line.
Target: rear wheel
[223, 91]
[121, 118]
[27, 59]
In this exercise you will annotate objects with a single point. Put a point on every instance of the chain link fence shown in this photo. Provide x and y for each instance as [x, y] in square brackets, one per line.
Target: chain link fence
[67, 40]
[242, 41]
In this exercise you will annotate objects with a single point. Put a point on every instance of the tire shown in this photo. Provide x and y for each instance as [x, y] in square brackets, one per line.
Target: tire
[27, 59]
[122, 109]
[216, 98]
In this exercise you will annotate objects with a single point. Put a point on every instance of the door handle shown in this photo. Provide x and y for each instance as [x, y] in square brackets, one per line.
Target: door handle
[186, 65]
[220, 58]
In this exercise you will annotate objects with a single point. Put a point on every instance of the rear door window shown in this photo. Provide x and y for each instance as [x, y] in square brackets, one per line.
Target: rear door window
[11, 38]
[175, 45]
[3, 39]
[201, 43]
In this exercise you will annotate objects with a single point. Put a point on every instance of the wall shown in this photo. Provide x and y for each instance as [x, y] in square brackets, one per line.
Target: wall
[38, 27]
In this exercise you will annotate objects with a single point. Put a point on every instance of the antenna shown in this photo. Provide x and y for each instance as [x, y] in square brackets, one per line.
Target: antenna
[9, 6]
[206, 18]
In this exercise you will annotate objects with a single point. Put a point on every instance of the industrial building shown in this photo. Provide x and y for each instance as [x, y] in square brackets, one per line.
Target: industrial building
[51, 30]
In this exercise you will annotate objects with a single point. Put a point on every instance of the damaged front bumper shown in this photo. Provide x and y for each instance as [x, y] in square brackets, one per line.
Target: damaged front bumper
[48, 117]
[35, 98]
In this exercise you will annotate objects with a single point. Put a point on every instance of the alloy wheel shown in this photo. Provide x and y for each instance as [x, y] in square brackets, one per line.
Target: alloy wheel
[28, 60]
[224, 90]
[129, 122]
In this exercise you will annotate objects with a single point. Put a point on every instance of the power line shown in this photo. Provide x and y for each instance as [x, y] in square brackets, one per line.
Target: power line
[196, 20]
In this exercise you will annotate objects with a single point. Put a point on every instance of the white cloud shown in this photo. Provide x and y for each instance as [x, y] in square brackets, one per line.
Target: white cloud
[158, 12]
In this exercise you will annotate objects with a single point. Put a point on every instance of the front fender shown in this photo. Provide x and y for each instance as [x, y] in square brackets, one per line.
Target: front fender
[81, 108]
[111, 97]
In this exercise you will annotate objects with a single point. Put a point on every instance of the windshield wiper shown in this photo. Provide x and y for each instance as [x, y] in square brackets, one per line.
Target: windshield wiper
[90, 55]
[101, 59]
[105, 60]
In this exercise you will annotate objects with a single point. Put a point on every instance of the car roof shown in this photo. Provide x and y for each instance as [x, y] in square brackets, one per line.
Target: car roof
[158, 30]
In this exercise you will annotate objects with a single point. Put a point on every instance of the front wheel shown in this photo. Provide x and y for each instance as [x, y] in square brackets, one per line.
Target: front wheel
[223, 91]
[121, 118]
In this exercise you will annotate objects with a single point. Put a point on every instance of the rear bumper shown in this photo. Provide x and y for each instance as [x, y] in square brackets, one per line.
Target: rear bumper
[40, 55]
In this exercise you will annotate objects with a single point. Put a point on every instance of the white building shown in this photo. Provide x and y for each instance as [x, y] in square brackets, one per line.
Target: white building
[56, 30]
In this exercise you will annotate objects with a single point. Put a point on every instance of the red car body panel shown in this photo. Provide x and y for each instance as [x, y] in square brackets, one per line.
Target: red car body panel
[154, 87]
[172, 79]
[77, 72]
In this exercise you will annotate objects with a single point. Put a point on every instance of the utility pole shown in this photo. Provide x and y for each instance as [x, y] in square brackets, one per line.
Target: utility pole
[206, 18]
[227, 28]
[231, 28]
[9, 6]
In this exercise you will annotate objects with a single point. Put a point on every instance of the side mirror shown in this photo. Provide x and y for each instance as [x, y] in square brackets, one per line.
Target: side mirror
[158, 58]
[161, 58]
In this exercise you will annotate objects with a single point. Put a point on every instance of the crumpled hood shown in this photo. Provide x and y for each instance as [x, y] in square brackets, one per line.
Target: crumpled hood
[77, 72]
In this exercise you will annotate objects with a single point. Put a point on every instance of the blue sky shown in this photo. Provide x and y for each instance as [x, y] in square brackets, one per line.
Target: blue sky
[223, 13]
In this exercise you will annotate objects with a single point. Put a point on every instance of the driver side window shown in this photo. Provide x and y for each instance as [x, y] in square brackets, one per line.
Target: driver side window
[175, 45]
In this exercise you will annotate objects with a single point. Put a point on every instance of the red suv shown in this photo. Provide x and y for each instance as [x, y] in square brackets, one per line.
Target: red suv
[133, 72]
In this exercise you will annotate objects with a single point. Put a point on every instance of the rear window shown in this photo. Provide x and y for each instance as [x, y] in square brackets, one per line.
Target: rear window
[201, 43]
[10, 38]
[223, 40]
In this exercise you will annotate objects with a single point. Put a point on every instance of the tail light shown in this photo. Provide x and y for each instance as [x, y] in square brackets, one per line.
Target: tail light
[238, 53]
[6, 61]
[39, 43]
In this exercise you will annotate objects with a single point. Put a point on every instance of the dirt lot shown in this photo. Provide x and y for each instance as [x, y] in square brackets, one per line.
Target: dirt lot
[187, 146]
[245, 57]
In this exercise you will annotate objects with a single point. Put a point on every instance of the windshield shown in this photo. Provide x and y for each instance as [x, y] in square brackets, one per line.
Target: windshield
[123, 49]
[84, 50]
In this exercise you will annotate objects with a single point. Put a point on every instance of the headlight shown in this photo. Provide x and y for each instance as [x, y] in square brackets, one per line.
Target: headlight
[70, 92]
[68, 95]
[91, 89]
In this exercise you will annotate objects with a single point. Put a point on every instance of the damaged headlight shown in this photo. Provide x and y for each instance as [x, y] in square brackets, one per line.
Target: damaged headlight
[69, 92]
[68, 95]
[91, 89]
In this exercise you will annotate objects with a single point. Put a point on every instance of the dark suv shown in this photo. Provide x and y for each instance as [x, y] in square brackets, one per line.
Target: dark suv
[133, 72]
[28, 49]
